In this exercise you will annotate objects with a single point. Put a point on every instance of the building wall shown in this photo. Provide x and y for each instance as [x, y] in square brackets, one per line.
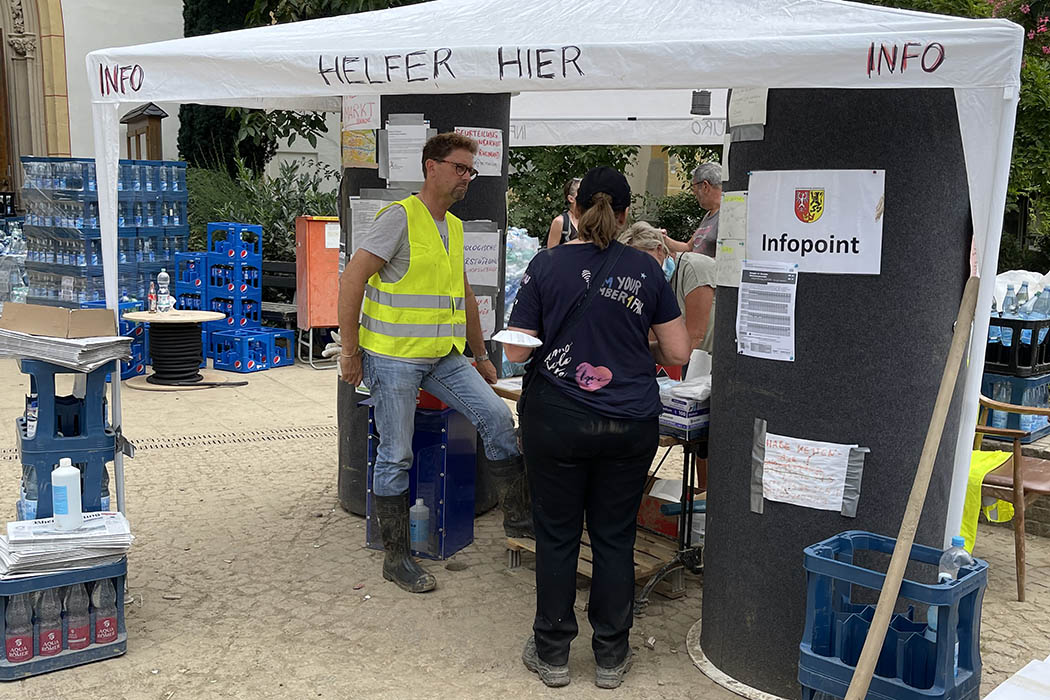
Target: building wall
[99, 24]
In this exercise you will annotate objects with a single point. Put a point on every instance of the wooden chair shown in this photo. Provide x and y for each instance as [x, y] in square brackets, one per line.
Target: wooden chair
[1020, 480]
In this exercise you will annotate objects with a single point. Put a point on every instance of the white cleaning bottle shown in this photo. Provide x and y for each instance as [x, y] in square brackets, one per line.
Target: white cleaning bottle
[419, 525]
[65, 495]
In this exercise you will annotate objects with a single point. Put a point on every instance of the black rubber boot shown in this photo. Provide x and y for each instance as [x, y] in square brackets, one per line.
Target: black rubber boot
[513, 488]
[398, 564]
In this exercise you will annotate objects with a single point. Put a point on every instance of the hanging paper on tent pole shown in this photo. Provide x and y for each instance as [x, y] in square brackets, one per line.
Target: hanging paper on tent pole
[489, 159]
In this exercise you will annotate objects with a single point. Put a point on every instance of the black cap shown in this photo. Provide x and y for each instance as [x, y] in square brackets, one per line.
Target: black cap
[607, 180]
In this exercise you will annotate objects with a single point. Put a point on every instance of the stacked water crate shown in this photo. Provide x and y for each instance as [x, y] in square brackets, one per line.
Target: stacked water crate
[63, 239]
[1017, 362]
[59, 620]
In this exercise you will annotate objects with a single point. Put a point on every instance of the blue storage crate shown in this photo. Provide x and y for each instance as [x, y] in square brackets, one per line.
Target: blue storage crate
[191, 270]
[233, 278]
[93, 468]
[236, 241]
[281, 346]
[240, 313]
[1021, 391]
[911, 666]
[64, 423]
[189, 298]
[443, 469]
[97, 649]
[239, 350]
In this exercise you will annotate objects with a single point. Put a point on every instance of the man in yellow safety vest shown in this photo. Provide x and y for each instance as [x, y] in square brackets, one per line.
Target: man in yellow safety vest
[406, 312]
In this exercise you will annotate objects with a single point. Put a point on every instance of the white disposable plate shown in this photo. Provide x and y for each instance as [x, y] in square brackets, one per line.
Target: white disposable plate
[517, 338]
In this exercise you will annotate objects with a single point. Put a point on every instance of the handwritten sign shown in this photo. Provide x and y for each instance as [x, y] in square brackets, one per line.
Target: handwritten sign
[360, 112]
[487, 315]
[481, 258]
[804, 472]
[489, 159]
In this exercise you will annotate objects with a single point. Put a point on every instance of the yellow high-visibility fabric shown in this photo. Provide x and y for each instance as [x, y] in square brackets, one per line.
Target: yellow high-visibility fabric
[981, 463]
[423, 313]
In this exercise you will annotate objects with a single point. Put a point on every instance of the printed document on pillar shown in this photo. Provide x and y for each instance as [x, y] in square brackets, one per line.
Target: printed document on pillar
[765, 311]
[405, 152]
[826, 221]
[362, 215]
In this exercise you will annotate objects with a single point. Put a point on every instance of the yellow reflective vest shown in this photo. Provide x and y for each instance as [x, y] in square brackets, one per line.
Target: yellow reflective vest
[423, 313]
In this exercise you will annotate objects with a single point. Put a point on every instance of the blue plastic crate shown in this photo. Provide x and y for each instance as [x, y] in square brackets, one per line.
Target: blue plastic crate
[281, 347]
[911, 666]
[96, 650]
[1014, 390]
[191, 270]
[443, 470]
[241, 313]
[233, 278]
[64, 423]
[240, 351]
[190, 298]
[93, 468]
[235, 241]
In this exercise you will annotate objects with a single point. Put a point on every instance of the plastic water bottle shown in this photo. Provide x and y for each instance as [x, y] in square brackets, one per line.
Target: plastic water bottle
[954, 558]
[152, 298]
[49, 619]
[65, 496]
[163, 297]
[104, 601]
[1022, 295]
[32, 408]
[18, 632]
[1010, 301]
[78, 620]
[419, 525]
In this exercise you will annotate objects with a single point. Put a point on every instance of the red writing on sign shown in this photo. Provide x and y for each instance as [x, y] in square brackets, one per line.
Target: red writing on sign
[120, 79]
[895, 58]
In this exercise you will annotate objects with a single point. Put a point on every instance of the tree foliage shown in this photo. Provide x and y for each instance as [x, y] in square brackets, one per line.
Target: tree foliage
[210, 136]
[538, 175]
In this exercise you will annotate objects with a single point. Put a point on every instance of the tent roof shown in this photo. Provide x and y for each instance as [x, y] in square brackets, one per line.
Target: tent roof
[457, 46]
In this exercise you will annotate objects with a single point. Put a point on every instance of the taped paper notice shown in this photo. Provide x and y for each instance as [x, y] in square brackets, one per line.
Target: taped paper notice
[405, 152]
[487, 314]
[362, 216]
[489, 159]
[807, 473]
[732, 237]
[360, 112]
[765, 311]
[331, 234]
[747, 106]
[481, 258]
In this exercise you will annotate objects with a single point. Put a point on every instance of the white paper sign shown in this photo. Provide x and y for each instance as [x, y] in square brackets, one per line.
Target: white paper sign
[362, 216]
[331, 234]
[827, 221]
[765, 311]
[489, 159]
[360, 112]
[488, 316]
[481, 258]
[732, 236]
[747, 106]
[804, 472]
[405, 152]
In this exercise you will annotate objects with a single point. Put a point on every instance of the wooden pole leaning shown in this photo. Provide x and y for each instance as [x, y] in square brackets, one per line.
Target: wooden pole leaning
[891, 586]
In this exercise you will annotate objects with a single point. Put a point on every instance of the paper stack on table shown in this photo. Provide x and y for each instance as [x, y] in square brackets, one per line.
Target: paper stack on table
[33, 547]
[83, 354]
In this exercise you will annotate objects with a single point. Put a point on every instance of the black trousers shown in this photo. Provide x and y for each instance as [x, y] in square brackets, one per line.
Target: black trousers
[581, 463]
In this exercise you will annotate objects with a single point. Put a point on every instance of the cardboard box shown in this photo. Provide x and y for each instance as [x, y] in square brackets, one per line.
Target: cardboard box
[57, 322]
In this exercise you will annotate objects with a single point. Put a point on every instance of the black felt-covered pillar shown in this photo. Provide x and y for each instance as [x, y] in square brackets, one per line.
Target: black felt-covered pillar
[869, 355]
[486, 199]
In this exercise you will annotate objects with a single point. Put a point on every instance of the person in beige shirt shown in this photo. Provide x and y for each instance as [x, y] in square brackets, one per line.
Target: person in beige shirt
[691, 275]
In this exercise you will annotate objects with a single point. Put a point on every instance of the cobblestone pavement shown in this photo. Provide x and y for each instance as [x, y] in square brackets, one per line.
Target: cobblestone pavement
[249, 581]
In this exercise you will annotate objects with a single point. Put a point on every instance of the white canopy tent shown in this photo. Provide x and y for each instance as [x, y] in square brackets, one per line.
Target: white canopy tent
[500, 46]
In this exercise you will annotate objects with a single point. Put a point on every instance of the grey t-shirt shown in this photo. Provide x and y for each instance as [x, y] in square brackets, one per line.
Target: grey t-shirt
[705, 239]
[694, 270]
[387, 238]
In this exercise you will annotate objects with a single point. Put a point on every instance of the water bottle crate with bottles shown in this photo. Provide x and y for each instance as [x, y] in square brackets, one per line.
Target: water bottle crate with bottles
[56, 621]
[918, 661]
[188, 298]
[1020, 391]
[241, 313]
[232, 278]
[1017, 333]
[444, 448]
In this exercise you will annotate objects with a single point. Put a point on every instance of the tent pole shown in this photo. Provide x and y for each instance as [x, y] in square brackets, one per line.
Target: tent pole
[987, 264]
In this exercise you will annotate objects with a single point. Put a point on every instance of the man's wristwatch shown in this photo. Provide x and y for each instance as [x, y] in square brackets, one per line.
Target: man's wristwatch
[482, 357]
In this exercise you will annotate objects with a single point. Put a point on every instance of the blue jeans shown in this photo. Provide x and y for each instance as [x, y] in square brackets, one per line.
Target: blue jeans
[394, 385]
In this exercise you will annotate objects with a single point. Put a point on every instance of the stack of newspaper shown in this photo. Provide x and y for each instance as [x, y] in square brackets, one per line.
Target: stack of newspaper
[84, 354]
[33, 547]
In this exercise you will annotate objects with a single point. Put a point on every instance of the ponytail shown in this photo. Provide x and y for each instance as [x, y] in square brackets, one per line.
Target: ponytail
[598, 222]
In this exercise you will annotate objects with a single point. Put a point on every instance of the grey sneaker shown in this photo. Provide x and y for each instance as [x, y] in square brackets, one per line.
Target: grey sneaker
[552, 676]
[610, 678]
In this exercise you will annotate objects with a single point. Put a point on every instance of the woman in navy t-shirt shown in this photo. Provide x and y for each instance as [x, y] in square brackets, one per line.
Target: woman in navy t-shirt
[590, 422]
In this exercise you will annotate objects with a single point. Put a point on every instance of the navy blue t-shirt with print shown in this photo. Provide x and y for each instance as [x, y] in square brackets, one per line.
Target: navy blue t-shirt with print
[605, 362]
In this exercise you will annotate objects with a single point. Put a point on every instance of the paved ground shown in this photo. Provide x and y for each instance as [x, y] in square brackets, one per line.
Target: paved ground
[249, 581]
